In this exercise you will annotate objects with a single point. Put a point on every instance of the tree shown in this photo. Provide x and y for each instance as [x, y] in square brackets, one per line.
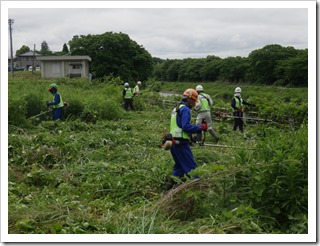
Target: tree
[65, 49]
[211, 69]
[160, 70]
[273, 64]
[23, 49]
[190, 69]
[172, 72]
[45, 48]
[233, 69]
[113, 54]
[157, 60]
[263, 62]
[293, 71]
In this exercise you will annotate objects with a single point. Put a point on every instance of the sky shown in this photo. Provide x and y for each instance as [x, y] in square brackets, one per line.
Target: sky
[166, 32]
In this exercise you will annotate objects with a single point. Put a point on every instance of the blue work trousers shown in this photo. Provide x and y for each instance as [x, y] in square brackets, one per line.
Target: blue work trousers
[57, 113]
[183, 158]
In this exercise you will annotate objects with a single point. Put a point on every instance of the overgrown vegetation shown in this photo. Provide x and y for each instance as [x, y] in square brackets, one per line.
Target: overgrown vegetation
[101, 170]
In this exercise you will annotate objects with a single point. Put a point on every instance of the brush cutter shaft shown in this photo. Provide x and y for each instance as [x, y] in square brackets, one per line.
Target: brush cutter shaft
[42, 113]
[226, 146]
[247, 118]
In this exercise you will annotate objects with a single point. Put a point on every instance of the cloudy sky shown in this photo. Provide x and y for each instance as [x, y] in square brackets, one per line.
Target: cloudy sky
[167, 32]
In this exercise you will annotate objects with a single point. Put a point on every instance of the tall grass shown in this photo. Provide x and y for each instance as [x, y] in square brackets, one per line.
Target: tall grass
[101, 170]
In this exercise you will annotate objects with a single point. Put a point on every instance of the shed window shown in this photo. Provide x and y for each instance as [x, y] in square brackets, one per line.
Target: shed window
[75, 66]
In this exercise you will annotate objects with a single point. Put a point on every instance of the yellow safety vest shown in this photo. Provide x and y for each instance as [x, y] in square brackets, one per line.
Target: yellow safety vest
[128, 94]
[175, 130]
[59, 105]
[204, 102]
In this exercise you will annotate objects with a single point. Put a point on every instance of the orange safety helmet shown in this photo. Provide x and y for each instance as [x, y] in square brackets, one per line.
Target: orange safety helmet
[191, 93]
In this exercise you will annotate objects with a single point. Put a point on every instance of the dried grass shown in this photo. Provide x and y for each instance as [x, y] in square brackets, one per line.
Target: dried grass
[174, 193]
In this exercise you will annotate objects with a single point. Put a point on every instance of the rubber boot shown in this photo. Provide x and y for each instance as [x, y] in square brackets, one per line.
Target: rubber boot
[169, 183]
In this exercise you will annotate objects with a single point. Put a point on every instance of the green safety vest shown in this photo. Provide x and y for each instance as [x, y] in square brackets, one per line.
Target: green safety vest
[136, 89]
[204, 102]
[175, 130]
[128, 94]
[238, 103]
[59, 105]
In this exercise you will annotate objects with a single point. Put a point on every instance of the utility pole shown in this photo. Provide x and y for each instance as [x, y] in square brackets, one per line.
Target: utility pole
[33, 57]
[11, 21]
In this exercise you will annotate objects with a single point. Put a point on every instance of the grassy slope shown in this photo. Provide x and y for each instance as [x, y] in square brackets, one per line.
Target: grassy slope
[109, 177]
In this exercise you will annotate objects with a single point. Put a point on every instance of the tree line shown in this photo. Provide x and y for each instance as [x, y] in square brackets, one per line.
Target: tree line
[115, 54]
[271, 65]
[45, 50]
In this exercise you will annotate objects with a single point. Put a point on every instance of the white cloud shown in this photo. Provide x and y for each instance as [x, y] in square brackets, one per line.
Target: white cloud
[167, 33]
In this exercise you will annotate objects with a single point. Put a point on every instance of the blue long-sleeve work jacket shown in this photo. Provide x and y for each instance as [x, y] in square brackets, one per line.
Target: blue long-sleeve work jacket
[184, 120]
[56, 100]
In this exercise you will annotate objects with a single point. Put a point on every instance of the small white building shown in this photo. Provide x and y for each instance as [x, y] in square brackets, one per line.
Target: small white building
[64, 66]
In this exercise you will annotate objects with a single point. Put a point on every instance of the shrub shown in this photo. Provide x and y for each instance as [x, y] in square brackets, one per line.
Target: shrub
[75, 108]
[101, 109]
[34, 103]
[17, 110]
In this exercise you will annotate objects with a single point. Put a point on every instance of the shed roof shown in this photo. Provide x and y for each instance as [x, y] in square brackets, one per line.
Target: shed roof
[30, 53]
[63, 58]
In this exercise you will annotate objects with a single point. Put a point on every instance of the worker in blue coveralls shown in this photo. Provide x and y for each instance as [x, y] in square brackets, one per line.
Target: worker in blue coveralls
[181, 130]
[57, 103]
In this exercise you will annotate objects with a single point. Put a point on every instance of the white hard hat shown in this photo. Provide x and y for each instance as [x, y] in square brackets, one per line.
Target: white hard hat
[139, 82]
[126, 84]
[199, 88]
[238, 89]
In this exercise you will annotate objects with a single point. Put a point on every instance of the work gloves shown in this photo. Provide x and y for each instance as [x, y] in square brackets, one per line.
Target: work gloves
[240, 110]
[47, 104]
[204, 126]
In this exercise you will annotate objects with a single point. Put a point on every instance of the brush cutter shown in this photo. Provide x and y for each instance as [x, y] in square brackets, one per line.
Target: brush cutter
[225, 146]
[168, 141]
[203, 138]
[220, 115]
[42, 113]
[65, 105]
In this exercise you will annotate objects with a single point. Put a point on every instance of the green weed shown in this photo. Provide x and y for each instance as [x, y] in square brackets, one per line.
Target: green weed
[101, 169]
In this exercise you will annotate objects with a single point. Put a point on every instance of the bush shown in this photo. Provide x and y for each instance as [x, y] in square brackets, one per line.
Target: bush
[75, 108]
[101, 109]
[34, 103]
[17, 111]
